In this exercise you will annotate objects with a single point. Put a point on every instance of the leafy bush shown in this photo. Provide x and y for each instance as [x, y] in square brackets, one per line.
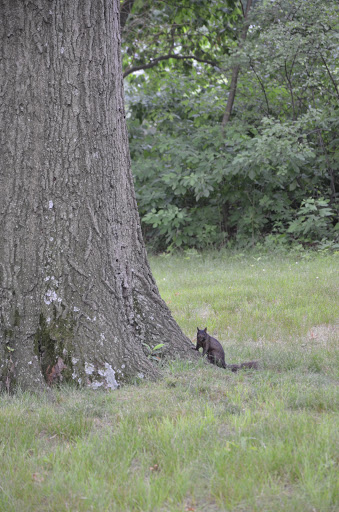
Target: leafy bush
[273, 172]
[314, 220]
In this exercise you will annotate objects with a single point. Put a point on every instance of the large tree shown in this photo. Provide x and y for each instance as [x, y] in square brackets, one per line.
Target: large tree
[78, 299]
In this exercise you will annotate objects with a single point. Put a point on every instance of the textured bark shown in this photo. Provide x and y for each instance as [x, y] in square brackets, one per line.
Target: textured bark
[78, 299]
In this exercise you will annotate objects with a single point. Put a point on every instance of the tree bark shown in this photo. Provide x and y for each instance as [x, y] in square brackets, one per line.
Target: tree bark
[78, 299]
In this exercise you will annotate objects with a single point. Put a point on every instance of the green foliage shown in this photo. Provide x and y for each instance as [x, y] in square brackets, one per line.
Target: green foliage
[313, 221]
[197, 186]
[154, 353]
[171, 33]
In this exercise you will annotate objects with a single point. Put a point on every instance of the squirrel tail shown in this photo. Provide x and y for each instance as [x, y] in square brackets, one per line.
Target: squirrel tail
[249, 365]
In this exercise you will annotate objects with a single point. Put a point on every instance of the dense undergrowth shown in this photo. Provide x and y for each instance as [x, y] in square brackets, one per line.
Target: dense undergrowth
[271, 172]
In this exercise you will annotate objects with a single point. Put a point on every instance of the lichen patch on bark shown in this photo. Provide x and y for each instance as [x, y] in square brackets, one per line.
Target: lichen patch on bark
[103, 377]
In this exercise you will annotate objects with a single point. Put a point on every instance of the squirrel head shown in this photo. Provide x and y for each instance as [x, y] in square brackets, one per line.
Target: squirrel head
[201, 334]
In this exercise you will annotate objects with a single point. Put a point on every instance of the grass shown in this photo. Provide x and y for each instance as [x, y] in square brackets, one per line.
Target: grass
[244, 297]
[202, 439]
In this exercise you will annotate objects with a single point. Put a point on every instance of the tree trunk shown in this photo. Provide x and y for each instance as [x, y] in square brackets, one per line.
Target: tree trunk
[236, 69]
[78, 299]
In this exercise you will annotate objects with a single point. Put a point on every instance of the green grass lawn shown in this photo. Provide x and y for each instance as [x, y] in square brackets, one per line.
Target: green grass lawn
[203, 438]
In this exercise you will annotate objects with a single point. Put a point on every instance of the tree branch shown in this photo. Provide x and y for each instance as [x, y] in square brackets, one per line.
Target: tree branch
[289, 85]
[156, 61]
[242, 8]
[125, 11]
[261, 85]
[330, 75]
[235, 72]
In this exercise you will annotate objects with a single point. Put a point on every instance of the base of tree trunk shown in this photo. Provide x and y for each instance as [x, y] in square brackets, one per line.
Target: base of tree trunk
[78, 300]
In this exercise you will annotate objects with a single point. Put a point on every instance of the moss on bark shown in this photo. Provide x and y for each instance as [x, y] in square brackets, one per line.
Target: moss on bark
[53, 340]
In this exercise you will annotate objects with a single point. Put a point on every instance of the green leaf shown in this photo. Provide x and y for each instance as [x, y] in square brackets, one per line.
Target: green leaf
[157, 347]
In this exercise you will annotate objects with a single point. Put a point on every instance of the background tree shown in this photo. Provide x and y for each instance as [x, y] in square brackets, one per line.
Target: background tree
[273, 176]
[235, 71]
[78, 300]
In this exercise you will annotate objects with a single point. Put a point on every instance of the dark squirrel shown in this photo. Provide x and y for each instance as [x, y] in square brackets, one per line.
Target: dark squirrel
[215, 353]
